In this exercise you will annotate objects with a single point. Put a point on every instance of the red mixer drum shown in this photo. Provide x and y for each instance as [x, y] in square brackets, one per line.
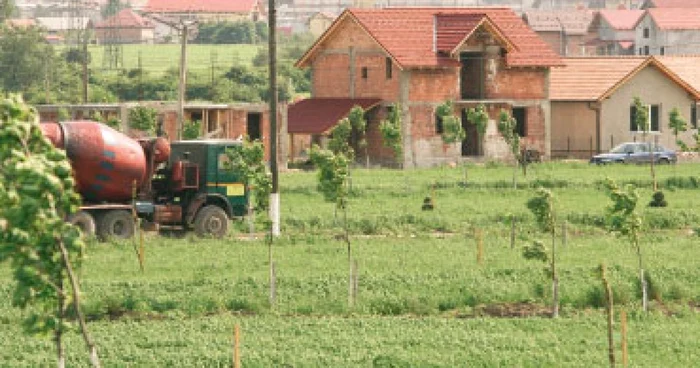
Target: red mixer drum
[105, 162]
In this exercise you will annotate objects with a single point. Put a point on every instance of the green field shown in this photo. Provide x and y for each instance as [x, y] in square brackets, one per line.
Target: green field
[157, 59]
[423, 301]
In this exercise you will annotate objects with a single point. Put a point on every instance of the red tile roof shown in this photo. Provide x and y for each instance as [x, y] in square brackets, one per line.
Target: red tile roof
[571, 22]
[621, 19]
[126, 18]
[201, 6]
[675, 18]
[595, 78]
[318, 115]
[676, 3]
[685, 67]
[452, 28]
[408, 35]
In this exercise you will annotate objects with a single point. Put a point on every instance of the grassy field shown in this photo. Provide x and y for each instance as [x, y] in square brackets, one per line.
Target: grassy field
[157, 59]
[423, 300]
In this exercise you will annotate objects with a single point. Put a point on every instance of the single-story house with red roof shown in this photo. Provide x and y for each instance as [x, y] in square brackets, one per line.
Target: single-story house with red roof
[592, 101]
[125, 27]
[415, 59]
[670, 4]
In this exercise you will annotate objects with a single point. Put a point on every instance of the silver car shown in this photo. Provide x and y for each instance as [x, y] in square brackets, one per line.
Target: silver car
[635, 152]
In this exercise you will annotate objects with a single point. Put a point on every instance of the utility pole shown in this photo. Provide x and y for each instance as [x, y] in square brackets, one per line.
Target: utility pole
[272, 43]
[184, 30]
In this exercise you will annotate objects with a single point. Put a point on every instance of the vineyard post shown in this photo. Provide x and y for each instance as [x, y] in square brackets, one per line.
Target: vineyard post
[623, 331]
[236, 346]
[479, 247]
[563, 233]
[610, 315]
[512, 231]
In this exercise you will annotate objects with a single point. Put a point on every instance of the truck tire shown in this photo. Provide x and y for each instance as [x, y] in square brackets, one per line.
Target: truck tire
[211, 221]
[116, 224]
[84, 221]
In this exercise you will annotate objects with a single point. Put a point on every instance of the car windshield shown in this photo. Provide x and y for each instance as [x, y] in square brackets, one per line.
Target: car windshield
[622, 148]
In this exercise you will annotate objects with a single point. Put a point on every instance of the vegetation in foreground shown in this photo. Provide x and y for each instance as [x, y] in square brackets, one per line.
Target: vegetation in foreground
[423, 299]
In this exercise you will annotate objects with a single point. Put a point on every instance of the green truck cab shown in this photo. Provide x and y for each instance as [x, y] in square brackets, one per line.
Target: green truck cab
[197, 188]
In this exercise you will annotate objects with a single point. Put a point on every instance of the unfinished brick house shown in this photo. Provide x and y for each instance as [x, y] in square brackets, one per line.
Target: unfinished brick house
[418, 58]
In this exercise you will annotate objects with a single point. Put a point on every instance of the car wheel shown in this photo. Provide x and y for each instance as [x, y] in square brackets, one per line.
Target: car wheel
[664, 161]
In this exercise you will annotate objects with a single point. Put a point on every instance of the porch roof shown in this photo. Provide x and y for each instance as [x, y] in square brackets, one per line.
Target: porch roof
[318, 115]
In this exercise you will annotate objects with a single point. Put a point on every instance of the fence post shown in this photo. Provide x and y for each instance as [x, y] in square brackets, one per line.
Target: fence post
[590, 145]
[512, 231]
[236, 347]
[479, 247]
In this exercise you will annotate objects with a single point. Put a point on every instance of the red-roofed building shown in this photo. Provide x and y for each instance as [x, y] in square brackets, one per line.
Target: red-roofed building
[615, 30]
[418, 58]
[125, 27]
[670, 4]
[592, 98]
[206, 11]
[668, 31]
[566, 31]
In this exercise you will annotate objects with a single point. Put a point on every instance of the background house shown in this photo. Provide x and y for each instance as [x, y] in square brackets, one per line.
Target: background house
[419, 58]
[566, 31]
[592, 99]
[670, 4]
[668, 31]
[615, 31]
[205, 11]
[125, 27]
[319, 23]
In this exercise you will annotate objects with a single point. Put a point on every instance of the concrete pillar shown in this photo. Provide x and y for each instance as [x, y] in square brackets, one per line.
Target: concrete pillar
[409, 157]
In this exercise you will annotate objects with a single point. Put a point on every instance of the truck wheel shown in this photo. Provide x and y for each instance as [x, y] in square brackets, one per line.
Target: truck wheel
[211, 220]
[116, 224]
[84, 221]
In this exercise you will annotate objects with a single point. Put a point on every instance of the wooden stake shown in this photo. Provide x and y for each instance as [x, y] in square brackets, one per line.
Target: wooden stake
[355, 281]
[479, 247]
[273, 284]
[236, 347]
[563, 234]
[623, 328]
[512, 231]
[609, 310]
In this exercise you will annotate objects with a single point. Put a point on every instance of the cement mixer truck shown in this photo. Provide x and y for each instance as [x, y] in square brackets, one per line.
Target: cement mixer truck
[184, 184]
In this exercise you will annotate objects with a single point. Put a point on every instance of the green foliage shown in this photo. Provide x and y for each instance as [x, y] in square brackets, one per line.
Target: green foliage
[359, 124]
[507, 127]
[112, 7]
[36, 195]
[63, 114]
[452, 130]
[332, 173]
[191, 129]
[621, 215]
[542, 206]
[678, 125]
[479, 117]
[143, 118]
[391, 132]
[7, 8]
[641, 115]
[536, 251]
[249, 160]
[339, 140]
[239, 32]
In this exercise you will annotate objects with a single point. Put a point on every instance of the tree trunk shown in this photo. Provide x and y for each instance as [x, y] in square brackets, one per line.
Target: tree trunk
[610, 315]
[653, 173]
[92, 349]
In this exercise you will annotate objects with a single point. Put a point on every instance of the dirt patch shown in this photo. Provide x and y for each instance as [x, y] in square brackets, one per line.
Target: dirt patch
[694, 306]
[514, 310]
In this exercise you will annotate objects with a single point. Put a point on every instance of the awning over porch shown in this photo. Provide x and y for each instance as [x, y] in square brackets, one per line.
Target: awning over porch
[318, 115]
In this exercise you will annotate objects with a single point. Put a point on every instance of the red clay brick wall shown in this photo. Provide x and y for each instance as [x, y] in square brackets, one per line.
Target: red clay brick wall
[535, 129]
[375, 146]
[331, 69]
[517, 83]
[434, 85]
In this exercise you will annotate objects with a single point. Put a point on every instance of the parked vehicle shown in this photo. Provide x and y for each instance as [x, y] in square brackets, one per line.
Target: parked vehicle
[183, 184]
[635, 152]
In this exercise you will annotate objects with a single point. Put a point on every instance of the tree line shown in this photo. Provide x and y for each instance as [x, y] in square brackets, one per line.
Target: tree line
[43, 74]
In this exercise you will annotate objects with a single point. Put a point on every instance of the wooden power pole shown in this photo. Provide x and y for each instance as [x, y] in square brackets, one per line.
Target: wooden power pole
[272, 43]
